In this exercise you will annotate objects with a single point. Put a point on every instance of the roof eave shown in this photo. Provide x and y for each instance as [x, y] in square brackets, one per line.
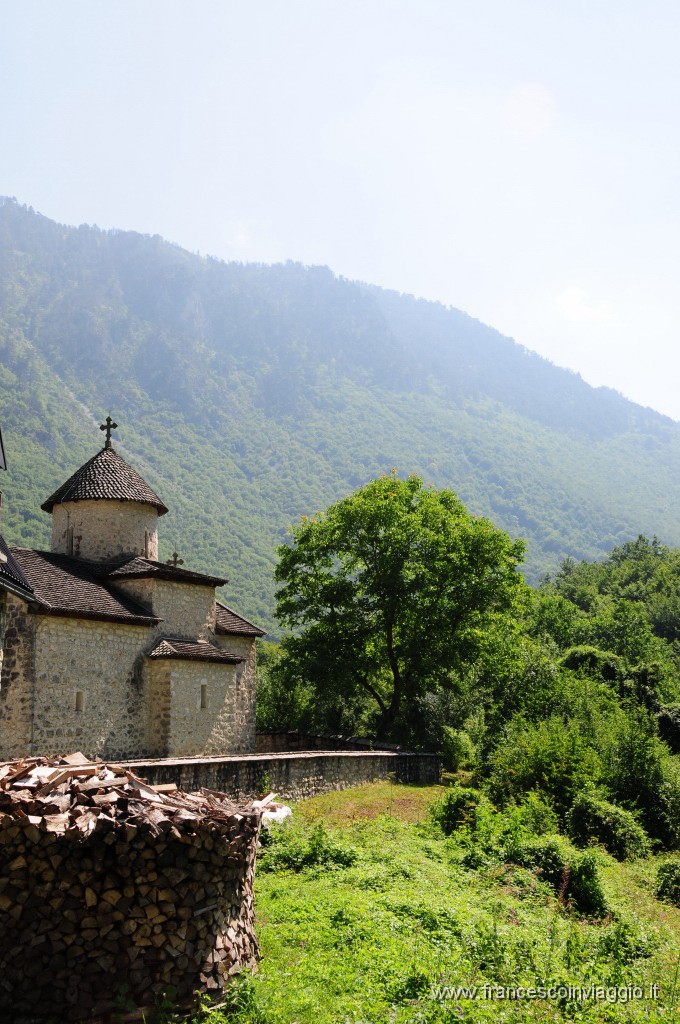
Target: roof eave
[220, 631]
[71, 613]
[233, 660]
[197, 579]
[16, 589]
[235, 632]
[48, 505]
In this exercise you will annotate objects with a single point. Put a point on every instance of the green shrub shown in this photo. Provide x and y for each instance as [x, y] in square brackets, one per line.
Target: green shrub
[575, 879]
[626, 941]
[670, 796]
[457, 749]
[668, 723]
[636, 772]
[536, 816]
[550, 757]
[292, 847]
[408, 986]
[593, 819]
[593, 662]
[668, 882]
[583, 887]
[547, 856]
[457, 808]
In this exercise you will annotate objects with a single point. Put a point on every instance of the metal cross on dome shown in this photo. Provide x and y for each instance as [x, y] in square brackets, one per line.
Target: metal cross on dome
[109, 426]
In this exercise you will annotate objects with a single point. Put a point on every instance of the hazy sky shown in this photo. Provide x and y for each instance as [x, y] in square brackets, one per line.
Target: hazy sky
[518, 159]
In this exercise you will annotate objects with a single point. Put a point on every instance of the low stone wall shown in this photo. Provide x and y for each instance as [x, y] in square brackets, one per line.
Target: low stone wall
[291, 776]
[288, 740]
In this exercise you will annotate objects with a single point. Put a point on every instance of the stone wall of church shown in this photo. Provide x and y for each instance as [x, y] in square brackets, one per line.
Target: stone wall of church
[90, 691]
[187, 610]
[160, 707]
[3, 617]
[77, 684]
[16, 679]
[140, 591]
[105, 529]
[246, 679]
[197, 708]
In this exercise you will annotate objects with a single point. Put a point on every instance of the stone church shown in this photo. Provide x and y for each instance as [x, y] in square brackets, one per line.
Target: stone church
[106, 650]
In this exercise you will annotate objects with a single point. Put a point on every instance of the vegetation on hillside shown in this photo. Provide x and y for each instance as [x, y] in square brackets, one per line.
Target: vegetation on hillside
[250, 395]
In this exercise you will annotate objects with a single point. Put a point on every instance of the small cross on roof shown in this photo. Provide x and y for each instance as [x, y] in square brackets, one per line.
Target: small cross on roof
[108, 426]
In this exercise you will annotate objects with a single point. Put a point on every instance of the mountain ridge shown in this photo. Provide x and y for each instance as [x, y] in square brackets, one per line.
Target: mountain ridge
[251, 394]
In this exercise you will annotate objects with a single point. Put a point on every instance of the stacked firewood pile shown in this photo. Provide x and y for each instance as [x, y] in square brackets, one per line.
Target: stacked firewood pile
[115, 894]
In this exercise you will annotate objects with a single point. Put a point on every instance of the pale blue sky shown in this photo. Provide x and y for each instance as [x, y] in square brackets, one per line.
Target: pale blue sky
[518, 159]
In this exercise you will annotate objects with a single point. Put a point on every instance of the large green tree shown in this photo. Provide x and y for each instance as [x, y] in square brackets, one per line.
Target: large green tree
[387, 593]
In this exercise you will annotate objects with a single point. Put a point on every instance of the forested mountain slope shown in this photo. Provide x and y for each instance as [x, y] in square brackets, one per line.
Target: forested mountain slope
[248, 395]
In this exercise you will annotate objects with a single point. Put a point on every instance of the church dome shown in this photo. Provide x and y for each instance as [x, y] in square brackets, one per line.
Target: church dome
[106, 477]
[105, 510]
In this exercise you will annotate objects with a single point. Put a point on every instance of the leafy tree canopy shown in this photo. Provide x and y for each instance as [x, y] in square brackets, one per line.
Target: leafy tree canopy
[389, 591]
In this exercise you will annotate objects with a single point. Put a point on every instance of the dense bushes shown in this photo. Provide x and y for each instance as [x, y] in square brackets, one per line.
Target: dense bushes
[457, 749]
[293, 848]
[584, 886]
[551, 757]
[637, 773]
[574, 878]
[547, 856]
[594, 661]
[595, 820]
[456, 808]
[668, 720]
[668, 882]
[534, 815]
[517, 835]
[600, 744]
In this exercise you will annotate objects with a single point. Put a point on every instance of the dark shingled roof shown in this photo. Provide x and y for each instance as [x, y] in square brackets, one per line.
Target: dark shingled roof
[230, 624]
[11, 576]
[105, 477]
[146, 568]
[62, 585]
[191, 650]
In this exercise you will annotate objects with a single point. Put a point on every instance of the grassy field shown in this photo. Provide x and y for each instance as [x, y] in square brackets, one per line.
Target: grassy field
[367, 913]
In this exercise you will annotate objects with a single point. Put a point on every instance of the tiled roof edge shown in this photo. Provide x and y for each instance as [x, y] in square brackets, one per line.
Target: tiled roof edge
[70, 613]
[171, 648]
[11, 575]
[62, 494]
[221, 631]
[158, 572]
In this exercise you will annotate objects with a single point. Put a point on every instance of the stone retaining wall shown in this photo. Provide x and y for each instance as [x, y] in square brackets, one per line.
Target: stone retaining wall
[285, 740]
[292, 776]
